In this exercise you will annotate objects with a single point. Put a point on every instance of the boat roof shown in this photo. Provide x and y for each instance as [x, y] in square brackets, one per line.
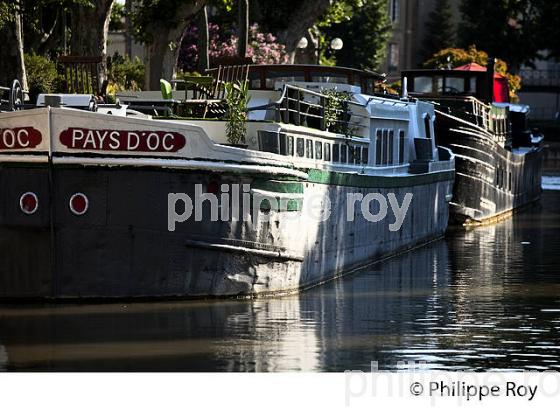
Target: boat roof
[443, 71]
[520, 108]
[260, 73]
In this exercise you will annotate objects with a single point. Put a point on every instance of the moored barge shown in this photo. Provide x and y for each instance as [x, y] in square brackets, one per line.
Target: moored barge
[498, 159]
[95, 196]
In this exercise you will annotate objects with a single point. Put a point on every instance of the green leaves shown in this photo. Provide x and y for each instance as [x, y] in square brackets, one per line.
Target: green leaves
[365, 33]
[237, 100]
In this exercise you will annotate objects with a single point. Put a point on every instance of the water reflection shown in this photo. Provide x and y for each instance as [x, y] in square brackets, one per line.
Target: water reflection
[479, 300]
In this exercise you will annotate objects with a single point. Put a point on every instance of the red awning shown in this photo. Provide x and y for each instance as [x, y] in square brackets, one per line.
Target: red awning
[501, 87]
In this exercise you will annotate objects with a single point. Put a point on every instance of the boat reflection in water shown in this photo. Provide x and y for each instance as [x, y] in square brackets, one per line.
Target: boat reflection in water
[347, 319]
[480, 300]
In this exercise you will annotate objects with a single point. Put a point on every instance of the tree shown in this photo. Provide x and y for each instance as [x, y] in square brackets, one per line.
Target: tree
[456, 57]
[12, 64]
[549, 26]
[161, 25]
[506, 28]
[263, 48]
[90, 26]
[440, 29]
[291, 19]
[243, 28]
[203, 40]
[364, 27]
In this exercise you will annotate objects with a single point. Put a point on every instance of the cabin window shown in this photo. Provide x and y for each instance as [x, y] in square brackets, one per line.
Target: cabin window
[472, 85]
[351, 154]
[283, 144]
[358, 154]
[343, 153]
[423, 85]
[283, 76]
[384, 144]
[309, 148]
[291, 146]
[378, 140]
[427, 127]
[318, 150]
[336, 153]
[365, 156]
[300, 149]
[402, 142]
[327, 153]
[509, 182]
[391, 148]
[455, 85]
[337, 78]
[254, 80]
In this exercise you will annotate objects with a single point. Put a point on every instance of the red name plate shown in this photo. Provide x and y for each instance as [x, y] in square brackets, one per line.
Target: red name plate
[18, 138]
[115, 140]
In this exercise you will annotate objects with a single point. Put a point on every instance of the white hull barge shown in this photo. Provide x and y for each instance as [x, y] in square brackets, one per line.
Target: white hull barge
[86, 197]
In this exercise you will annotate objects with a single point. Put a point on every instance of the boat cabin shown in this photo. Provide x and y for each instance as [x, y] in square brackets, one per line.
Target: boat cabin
[471, 80]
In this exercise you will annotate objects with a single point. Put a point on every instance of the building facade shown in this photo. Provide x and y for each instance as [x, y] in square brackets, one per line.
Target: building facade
[409, 18]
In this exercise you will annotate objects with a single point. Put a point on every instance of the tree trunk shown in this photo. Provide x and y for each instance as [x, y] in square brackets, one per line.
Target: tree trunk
[128, 28]
[203, 40]
[90, 26]
[243, 24]
[12, 63]
[163, 51]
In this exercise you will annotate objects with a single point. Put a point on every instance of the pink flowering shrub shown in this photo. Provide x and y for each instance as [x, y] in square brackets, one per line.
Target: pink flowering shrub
[262, 48]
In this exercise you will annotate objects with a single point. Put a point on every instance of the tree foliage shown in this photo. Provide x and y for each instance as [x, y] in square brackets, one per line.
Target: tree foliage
[364, 27]
[505, 28]
[548, 29]
[440, 30]
[456, 57]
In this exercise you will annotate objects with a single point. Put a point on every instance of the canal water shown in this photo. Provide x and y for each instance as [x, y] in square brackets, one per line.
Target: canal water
[485, 299]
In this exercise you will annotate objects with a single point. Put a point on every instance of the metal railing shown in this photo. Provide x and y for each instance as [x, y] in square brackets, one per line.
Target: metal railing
[303, 107]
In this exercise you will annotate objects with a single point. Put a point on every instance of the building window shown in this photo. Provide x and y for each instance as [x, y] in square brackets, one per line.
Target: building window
[393, 57]
[394, 10]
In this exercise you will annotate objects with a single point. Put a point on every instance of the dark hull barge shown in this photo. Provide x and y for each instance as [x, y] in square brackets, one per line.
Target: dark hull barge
[498, 161]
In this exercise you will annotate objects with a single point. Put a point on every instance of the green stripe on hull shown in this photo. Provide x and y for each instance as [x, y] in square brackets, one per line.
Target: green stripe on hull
[377, 181]
[284, 187]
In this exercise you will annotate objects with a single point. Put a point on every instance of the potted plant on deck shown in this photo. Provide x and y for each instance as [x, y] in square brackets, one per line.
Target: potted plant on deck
[237, 100]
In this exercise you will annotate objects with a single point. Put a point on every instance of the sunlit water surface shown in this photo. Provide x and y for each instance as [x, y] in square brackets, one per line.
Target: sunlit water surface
[485, 299]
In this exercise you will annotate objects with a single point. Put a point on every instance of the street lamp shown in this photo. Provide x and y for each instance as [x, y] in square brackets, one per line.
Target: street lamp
[335, 45]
